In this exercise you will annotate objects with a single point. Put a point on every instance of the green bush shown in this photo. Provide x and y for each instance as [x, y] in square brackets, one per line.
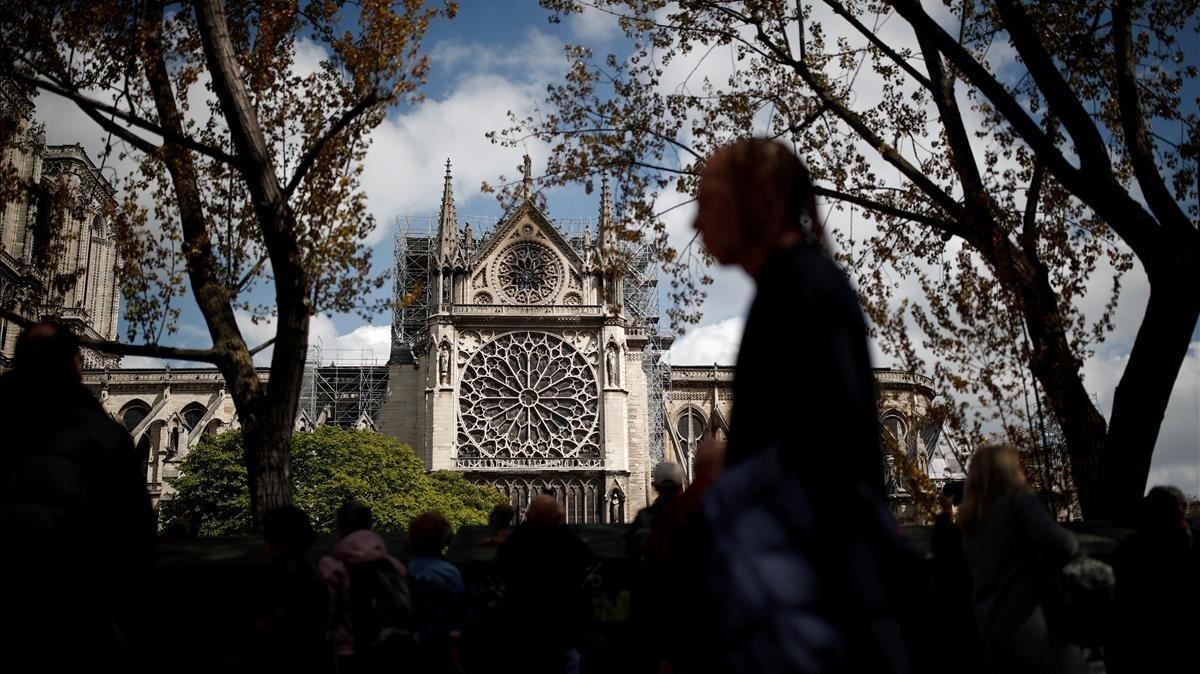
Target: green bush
[329, 466]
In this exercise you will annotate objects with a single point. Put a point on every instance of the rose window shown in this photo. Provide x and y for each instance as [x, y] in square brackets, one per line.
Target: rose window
[529, 272]
[525, 398]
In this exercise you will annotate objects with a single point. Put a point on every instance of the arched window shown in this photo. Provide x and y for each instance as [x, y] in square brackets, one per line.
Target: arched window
[894, 430]
[690, 426]
[192, 414]
[133, 413]
[214, 427]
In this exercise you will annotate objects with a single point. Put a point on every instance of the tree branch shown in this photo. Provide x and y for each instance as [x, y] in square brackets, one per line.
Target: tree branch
[310, 156]
[843, 12]
[962, 156]
[1133, 123]
[886, 209]
[93, 108]
[1089, 145]
[861, 127]
[1101, 193]
[262, 346]
[122, 348]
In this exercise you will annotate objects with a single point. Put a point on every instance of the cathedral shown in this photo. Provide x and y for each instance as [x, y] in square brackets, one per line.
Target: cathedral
[524, 355]
[58, 253]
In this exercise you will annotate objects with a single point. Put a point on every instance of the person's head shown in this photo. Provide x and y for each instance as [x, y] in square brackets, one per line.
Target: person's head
[544, 511]
[288, 530]
[1163, 509]
[667, 478]
[49, 352]
[994, 472]
[501, 516]
[428, 534]
[755, 195]
[352, 517]
[950, 497]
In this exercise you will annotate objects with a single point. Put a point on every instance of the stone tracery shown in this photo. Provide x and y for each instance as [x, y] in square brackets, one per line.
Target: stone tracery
[528, 398]
[529, 273]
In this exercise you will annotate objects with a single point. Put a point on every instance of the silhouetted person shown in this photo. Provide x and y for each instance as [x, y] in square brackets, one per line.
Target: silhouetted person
[438, 595]
[952, 575]
[75, 518]
[1012, 543]
[545, 602]
[677, 553]
[294, 613]
[1155, 620]
[667, 481]
[807, 572]
[647, 594]
[370, 609]
[500, 521]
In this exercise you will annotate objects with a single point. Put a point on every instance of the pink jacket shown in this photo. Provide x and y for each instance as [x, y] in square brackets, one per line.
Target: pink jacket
[360, 546]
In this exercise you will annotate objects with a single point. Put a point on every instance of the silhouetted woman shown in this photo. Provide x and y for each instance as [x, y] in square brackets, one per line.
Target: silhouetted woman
[1012, 543]
[806, 571]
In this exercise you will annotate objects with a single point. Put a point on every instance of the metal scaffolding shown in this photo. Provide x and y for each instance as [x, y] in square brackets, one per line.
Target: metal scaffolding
[342, 387]
[641, 294]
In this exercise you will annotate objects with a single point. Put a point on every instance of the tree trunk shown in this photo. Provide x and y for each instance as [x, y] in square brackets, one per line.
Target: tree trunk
[1141, 398]
[269, 431]
[1053, 362]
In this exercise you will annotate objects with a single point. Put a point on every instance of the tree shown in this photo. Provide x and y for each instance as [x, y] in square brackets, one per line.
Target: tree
[258, 186]
[330, 467]
[1000, 160]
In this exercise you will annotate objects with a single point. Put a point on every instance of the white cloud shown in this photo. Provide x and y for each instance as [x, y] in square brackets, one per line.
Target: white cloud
[405, 164]
[538, 54]
[708, 344]
[592, 25]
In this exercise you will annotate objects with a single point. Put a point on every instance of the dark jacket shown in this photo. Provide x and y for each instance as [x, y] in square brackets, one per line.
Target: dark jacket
[821, 389]
[545, 600]
[1005, 552]
[1154, 616]
[76, 516]
[807, 572]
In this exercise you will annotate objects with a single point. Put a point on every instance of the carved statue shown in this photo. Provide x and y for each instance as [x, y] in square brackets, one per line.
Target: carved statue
[612, 365]
[444, 364]
[616, 514]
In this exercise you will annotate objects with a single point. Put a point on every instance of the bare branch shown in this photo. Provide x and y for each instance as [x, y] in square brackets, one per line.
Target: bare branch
[886, 209]
[93, 108]
[1108, 199]
[310, 156]
[899, 60]
[1133, 123]
[122, 348]
[262, 346]
[1089, 145]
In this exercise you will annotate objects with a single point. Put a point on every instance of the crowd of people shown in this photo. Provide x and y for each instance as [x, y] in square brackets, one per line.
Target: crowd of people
[779, 554]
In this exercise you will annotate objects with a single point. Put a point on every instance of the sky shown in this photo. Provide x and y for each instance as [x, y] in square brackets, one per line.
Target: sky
[499, 56]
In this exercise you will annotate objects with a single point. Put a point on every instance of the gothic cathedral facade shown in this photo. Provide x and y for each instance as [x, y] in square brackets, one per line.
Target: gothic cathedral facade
[528, 376]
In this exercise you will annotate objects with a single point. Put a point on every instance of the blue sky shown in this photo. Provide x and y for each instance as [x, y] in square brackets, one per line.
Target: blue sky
[497, 56]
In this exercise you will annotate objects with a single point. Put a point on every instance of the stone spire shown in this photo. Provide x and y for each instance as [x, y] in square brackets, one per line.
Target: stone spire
[605, 224]
[527, 177]
[447, 223]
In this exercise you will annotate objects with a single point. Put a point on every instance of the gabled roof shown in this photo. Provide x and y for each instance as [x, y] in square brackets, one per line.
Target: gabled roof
[510, 222]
